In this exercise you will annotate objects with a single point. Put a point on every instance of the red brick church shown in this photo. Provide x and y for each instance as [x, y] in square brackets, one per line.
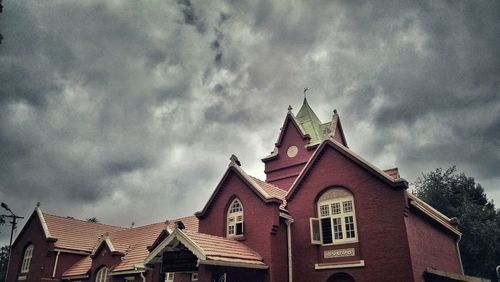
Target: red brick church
[322, 214]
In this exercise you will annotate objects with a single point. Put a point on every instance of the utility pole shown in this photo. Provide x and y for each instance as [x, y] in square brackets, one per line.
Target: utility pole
[13, 225]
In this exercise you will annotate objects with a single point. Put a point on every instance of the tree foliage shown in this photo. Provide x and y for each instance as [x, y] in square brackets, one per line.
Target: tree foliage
[4, 258]
[457, 195]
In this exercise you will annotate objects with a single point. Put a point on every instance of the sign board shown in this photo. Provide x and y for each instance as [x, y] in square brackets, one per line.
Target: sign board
[339, 253]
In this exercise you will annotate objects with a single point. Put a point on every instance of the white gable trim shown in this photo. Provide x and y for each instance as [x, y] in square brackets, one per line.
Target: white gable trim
[234, 264]
[180, 236]
[43, 222]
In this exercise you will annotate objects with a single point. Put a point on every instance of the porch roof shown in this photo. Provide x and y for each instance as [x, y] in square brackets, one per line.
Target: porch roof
[210, 249]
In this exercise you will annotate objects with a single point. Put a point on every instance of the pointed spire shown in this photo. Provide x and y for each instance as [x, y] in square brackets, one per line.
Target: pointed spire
[309, 121]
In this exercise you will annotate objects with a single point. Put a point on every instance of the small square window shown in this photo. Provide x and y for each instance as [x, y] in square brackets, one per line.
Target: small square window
[324, 210]
[347, 205]
[194, 276]
[336, 208]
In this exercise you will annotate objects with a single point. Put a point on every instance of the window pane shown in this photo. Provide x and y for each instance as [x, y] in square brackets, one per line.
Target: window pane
[235, 207]
[347, 205]
[324, 211]
[230, 229]
[349, 227]
[337, 228]
[336, 208]
[239, 228]
[326, 230]
[315, 231]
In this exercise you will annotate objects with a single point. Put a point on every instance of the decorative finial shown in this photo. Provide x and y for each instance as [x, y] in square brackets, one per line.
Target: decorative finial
[132, 224]
[37, 204]
[305, 90]
[234, 160]
[289, 108]
[335, 111]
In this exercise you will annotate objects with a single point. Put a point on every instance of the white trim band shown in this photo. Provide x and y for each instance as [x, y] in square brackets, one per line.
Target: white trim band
[360, 263]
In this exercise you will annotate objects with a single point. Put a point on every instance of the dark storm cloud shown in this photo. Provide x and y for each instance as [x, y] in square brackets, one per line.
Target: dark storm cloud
[190, 16]
[118, 108]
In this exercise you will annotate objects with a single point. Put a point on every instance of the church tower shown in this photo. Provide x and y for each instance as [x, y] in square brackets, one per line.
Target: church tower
[299, 137]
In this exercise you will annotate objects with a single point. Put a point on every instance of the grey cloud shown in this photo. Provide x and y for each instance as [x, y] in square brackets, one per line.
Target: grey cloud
[143, 104]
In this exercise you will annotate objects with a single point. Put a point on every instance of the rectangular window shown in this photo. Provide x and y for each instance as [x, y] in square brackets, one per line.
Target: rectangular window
[326, 230]
[349, 227]
[337, 228]
[169, 277]
[194, 276]
[315, 231]
[336, 208]
[239, 228]
[347, 205]
[324, 211]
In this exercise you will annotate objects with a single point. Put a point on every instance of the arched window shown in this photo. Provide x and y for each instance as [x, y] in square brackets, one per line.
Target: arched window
[336, 223]
[235, 218]
[102, 275]
[28, 254]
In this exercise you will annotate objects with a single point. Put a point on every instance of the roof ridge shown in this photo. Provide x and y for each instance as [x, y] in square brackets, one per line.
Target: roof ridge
[138, 227]
[81, 220]
[184, 217]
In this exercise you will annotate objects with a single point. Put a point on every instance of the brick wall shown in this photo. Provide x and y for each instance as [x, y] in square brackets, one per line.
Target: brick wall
[380, 222]
[260, 220]
[42, 262]
[431, 246]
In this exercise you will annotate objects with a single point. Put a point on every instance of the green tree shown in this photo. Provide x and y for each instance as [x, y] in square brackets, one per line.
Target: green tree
[4, 258]
[457, 195]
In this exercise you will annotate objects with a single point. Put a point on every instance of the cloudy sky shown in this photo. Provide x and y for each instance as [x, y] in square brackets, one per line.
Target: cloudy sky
[129, 111]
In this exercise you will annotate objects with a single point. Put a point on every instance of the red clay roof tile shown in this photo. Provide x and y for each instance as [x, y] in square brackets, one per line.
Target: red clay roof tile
[75, 234]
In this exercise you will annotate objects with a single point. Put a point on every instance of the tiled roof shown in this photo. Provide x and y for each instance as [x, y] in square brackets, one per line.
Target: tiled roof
[79, 268]
[75, 234]
[133, 242]
[191, 223]
[272, 190]
[224, 249]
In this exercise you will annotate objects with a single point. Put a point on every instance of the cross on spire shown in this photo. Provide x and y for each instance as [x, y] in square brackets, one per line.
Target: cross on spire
[305, 90]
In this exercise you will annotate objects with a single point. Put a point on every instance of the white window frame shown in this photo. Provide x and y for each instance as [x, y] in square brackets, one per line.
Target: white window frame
[102, 275]
[169, 276]
[328, 209]
[235, 219]
[28, 255]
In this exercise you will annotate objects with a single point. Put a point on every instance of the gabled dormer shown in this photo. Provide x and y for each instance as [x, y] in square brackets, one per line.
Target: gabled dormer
[299, 137]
